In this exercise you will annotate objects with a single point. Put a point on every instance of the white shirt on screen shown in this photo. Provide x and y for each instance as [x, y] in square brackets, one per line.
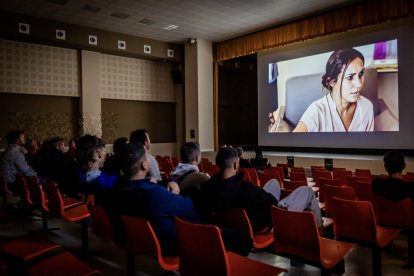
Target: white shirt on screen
[321, 116]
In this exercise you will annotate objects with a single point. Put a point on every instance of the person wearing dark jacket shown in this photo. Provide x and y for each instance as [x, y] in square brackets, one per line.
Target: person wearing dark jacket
[227, 189]
[138, 196]
[393, 187]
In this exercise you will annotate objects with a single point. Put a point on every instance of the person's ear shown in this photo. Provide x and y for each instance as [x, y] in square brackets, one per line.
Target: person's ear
[332, 83]
[404, 166]
[235, 165]
[144, 165]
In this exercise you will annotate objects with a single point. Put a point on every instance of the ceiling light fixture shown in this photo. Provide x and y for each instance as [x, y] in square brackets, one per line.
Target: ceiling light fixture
[170, 27]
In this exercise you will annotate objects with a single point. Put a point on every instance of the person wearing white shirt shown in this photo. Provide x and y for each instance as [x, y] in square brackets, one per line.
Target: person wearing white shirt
[343, 109]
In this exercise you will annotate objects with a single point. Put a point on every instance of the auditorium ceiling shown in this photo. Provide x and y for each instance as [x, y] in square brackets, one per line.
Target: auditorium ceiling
[173, 21]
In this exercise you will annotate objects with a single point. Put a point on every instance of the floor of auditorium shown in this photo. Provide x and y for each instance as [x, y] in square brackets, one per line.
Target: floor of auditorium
[109, 259]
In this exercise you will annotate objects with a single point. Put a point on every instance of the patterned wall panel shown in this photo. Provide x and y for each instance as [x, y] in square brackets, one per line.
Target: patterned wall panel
[125, 78]
[43, 126]
[37, 69]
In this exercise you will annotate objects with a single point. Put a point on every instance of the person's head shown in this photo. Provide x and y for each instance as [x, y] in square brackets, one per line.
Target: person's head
[259, 152]
[240, 152]
[394, 162]
[141, 136]
[190, 153]
[118, 144]
[58, 143]
[227, 159]
[133, 160]
[90, 151]
[72, 143]
[31, 146]
[16, 137]
[344, 74]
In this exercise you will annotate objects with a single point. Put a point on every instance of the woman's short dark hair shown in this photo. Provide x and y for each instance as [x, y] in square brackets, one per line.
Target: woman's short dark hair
[338, 62]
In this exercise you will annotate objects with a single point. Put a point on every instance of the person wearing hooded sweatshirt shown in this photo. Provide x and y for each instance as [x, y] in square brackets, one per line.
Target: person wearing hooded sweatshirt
[227, 189]
[187, 173]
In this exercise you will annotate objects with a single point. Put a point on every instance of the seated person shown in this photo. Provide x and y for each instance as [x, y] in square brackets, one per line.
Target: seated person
[187, 173]
[244, 163]
[137, 196]
[227, 189]
[111, 165]
[393, 187]
[52, 164]
[259, 161]
[142, 136]
[90, 157]
[13, 160]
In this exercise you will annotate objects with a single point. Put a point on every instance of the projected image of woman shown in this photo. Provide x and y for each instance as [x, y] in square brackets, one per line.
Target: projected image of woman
[343, 108]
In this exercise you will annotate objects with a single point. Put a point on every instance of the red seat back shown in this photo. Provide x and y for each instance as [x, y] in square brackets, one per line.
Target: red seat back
[354, 219]
[339, 192]
[201, 249]
[398, 214]
[295, 234]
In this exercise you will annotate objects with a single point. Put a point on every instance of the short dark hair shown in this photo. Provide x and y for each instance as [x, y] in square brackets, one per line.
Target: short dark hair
[13, 135]
[130, 157]
[56, 141]
[189, 151]
[259, 152]
[86, 147]
[118, 144]
[139, 135]
[239, 151]
[226, 157]
[394, 162]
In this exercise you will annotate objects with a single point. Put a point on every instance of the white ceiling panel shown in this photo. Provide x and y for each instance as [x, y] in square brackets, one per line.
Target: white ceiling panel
[214, 20]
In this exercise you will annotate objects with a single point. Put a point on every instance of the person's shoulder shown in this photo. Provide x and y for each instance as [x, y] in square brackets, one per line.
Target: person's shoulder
[365, 102]
[318, 106]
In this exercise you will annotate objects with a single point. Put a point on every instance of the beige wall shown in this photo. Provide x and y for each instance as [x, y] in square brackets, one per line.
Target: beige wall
[145, 87]
[199, 93]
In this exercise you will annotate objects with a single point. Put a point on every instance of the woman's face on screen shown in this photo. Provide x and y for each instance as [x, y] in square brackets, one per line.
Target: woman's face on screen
[352, 81]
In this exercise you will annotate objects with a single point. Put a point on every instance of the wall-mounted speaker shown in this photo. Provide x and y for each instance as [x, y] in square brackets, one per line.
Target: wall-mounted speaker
[121, 45]
[93, 40]
[24, 28]
[60, 34]
[170, 53]
[147, 49]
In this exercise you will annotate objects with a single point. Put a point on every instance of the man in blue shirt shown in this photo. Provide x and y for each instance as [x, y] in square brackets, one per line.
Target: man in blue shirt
[138, 196]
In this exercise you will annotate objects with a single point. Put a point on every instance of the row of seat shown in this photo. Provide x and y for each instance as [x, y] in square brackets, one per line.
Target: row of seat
[47, 198]
[34, 256]
[210, 258]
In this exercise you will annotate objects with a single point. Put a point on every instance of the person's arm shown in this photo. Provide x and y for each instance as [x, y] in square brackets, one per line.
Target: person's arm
[22, 166]
[154, 170]
[301, 127]
[165, 203]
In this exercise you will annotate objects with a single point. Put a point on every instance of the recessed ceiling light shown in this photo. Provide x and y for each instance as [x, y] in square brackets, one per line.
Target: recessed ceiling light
[89, 8]
[120, 15]
[58, 2]
[146, 21]
[170, 27]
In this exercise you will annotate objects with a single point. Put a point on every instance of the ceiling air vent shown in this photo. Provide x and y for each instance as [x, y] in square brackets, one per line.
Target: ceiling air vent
[58, 2]
[88, 8]
[120, 15]
[146, 21]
